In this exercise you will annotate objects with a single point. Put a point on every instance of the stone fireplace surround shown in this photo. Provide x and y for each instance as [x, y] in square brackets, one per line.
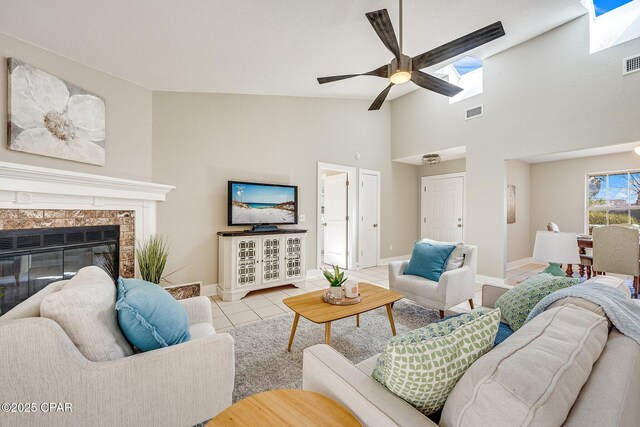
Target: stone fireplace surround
[36, 197]
[25, 219]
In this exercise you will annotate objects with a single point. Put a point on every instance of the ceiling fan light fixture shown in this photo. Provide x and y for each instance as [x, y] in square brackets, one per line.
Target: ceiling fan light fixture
[400, 77]
[430, 159]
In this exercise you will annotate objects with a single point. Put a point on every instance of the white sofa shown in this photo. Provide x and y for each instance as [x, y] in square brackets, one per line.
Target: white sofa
[455, 286]
[607, 398]
[181, 385]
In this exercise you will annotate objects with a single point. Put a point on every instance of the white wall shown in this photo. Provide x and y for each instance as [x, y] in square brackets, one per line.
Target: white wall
[558, 189]
[546, 95]
[128, 111]
[518, 234]
[203, 140]
[442, 168]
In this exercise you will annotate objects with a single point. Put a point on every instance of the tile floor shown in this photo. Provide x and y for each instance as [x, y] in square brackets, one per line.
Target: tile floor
[520, 274]
[265, 304]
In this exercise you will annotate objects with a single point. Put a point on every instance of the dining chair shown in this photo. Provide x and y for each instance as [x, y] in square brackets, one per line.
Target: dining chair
[616, 249]
[586, 261]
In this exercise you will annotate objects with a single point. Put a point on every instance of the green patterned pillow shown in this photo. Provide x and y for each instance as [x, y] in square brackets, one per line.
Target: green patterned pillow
[432, 330]
[517, 303]
[424, 365]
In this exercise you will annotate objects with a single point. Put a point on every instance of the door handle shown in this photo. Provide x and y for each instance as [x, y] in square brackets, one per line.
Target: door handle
[324, 224]
[459, 225]
[375, 225]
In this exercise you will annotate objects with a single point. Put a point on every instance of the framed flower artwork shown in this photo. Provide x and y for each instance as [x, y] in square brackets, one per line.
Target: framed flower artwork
[51, 117]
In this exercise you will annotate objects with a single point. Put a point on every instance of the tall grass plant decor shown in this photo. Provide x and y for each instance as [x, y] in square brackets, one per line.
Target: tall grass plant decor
[152, 257]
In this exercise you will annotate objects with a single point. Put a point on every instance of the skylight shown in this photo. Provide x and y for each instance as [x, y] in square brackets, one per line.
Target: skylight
[467, 65]
[604, 6]
[612, 22]
[465, 72]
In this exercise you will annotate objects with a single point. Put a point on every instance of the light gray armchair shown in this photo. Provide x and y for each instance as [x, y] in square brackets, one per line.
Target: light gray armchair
[455, 286]
[181, 385]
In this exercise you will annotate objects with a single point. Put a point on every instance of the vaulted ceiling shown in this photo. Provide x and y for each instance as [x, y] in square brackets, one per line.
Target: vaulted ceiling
[274, 47]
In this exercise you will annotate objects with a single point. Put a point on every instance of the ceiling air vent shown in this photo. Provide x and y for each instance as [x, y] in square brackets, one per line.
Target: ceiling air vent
[474, 112]
[631, 65]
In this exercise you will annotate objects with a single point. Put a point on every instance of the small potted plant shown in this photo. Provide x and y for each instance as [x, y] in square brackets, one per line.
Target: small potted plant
[336, 279]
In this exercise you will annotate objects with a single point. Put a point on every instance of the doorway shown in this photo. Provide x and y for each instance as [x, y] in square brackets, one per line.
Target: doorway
[336, 211]
[369, 218]
[442, 207]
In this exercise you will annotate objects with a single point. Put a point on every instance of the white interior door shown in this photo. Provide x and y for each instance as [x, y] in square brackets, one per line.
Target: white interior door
[368, 230]
[442, 208]
[335, 219]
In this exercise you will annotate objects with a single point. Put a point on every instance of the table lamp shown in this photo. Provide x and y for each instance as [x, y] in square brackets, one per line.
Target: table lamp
[556, 249]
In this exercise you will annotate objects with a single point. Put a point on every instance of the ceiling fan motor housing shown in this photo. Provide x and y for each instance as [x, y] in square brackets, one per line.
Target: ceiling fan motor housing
[404, 65]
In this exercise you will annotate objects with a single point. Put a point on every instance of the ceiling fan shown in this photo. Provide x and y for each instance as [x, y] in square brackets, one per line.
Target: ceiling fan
[404, 68]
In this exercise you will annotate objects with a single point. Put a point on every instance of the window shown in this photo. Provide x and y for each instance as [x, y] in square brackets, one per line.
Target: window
[612, 22]
[467, 64]
[612, 198]
[466, 73]
[603, 6]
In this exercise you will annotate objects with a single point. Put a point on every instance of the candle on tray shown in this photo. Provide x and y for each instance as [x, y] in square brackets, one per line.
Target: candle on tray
[351, 289]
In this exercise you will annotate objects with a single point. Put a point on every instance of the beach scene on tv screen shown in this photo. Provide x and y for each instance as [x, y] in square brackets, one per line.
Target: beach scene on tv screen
[262, 204]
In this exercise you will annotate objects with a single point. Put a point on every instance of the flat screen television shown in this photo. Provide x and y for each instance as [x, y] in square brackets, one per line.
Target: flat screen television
[252, 203]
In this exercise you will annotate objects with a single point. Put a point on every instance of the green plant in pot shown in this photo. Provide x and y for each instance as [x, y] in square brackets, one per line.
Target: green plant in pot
[152, 257]
[336, 279]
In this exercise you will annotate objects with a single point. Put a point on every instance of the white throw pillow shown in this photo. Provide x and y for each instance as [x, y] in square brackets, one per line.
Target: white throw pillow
[85, 309]
[457, 256]
[534, 377]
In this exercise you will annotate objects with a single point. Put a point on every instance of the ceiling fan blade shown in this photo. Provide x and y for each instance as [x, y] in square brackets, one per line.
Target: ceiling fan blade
[382, 25]
[458, 46]
[434, 84]
[378, 72]
[380, 99]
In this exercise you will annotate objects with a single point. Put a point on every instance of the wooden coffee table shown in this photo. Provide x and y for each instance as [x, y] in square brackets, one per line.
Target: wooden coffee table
[284, 408]
[312, 307]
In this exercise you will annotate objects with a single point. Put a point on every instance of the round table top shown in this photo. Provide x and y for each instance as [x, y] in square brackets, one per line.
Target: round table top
[285, 407]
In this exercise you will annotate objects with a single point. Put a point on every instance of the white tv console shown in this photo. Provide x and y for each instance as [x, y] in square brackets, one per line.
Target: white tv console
[252, 260]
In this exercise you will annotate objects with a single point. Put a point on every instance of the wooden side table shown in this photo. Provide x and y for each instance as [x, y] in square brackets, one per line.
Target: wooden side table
[285, 408]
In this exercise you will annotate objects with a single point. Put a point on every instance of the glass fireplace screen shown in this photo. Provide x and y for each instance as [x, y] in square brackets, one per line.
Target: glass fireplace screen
[28, 263]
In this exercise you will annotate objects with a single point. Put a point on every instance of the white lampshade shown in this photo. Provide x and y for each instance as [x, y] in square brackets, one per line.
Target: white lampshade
[561, 248]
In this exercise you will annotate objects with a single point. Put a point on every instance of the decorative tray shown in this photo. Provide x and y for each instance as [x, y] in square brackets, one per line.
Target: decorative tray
[327, 297]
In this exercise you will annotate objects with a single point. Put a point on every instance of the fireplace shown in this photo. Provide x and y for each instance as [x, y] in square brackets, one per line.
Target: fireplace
[31, 259]
[33, 198]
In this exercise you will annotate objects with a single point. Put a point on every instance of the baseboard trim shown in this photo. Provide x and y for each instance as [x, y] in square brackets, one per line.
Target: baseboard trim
[316, 272]
[488, 280]
[208, 290]
[519, 263]
[386, 261]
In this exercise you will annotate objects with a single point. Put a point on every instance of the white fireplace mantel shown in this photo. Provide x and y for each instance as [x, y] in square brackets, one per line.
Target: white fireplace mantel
[33, 187]
[34, 179]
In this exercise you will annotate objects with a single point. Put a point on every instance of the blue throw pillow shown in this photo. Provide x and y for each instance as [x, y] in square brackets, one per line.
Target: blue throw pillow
[429, 261]
[504, 332]
[149, 316]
